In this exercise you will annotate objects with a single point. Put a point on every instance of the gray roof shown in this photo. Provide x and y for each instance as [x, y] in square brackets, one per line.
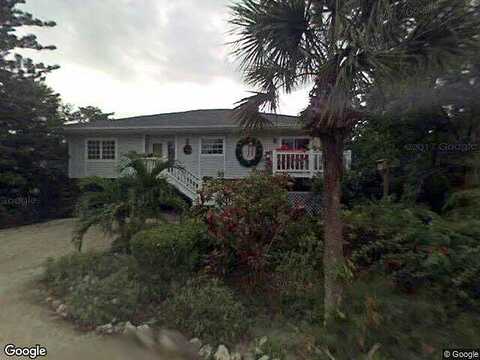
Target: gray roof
[218, 118]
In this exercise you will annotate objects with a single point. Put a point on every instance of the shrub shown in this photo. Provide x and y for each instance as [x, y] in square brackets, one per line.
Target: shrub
[417, 247]
[62, 273]
[169, 252]
[97, 301]
[297, 281]
[401, 327]
[463, 204]
[248, 220]
[97, 287]
[205, 309]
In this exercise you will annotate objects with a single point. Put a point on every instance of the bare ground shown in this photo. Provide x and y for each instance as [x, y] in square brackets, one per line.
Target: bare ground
[25, 320]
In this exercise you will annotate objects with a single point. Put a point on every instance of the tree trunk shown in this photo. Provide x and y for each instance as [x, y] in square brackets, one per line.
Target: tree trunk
[333, 258]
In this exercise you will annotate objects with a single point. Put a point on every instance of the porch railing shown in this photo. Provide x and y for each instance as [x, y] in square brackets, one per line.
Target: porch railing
[302, 164]
[185, 181]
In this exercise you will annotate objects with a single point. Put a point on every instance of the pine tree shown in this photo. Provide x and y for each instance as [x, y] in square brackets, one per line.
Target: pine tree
[30, 145]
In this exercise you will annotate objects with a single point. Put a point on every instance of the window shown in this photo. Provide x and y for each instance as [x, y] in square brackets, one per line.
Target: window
[101, 149]
[108, 150]
[213, 146]
[296, 143]
[94, 150]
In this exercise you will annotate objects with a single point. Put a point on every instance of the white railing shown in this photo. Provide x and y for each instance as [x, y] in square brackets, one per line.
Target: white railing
[302, 164]
[185, 181]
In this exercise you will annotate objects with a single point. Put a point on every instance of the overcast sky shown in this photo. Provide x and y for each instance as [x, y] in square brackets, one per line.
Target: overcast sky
[136, 57]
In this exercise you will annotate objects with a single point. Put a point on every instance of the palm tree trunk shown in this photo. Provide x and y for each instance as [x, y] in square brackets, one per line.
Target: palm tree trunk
[333, 258]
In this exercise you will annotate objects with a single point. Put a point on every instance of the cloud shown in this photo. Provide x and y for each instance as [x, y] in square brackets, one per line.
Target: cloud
[166, 54]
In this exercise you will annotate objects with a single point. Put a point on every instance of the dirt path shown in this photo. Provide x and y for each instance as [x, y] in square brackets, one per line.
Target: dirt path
[25, 320]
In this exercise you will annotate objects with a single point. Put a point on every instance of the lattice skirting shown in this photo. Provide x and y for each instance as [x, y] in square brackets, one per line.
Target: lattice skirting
[311, 202]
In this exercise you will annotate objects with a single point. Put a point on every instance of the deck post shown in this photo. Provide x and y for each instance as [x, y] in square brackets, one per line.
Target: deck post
[274, 162]
[311, 163]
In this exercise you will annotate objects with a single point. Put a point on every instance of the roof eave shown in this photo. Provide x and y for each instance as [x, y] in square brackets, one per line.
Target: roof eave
[177, 129]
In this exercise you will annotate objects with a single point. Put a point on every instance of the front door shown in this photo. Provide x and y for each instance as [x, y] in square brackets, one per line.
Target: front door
[164, 150]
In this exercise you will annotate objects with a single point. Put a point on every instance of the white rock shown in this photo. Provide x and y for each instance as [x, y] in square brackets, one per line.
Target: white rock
[129, 329]
[145, 336]
[104, 329]
[197, 343]
[119, 328]
[61, 309]
[205, 352]
[265, 357]
[222, 353]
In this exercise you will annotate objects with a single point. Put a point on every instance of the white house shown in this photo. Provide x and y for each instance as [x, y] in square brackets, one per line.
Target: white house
[207, 143]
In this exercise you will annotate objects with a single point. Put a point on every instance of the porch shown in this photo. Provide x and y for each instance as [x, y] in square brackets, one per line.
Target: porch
[294, 163]
[302, 163]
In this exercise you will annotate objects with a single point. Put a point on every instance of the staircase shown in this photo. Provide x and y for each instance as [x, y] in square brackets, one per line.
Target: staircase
[187, 183]
[183, 180]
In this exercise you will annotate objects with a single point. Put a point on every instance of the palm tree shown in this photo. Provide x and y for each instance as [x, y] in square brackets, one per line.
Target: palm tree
[343, 49]
[122, 206]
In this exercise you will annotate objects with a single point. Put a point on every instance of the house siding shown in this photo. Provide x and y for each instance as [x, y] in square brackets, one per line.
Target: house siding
[233, 168]
[190, 162]
[76, 155]
[196, 163]
[80, 167]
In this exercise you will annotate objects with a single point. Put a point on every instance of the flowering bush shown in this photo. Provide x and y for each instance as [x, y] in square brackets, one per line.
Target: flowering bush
[248, 219]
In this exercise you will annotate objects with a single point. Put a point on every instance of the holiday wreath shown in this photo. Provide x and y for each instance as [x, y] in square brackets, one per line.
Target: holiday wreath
[253, 143]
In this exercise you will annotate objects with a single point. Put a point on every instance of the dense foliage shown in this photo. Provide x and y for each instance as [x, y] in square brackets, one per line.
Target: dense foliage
[429, 135]
[97, 287]
[382, 323]
[34, 183]
[248, 220]
[122, 206]
[206, 309]
[343, 50]
[33, 158]
[418, 249]
[170, 252]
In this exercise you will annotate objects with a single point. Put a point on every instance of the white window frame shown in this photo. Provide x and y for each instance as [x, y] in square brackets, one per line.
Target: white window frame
[212, 138]
[101, 149]
[310, 139]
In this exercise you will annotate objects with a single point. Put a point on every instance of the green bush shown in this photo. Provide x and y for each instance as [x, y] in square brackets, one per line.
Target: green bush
[97, 287]
[297, 280]
[205, 309]
[417, 248]
[97, 301]
[404, 327]
[169, 252]
[463, 204]
[60, 274]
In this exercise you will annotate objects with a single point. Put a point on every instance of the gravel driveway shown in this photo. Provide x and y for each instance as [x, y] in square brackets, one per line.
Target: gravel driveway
[25, 320]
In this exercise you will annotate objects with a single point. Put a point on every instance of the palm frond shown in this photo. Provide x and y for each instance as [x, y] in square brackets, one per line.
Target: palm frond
[247, 112]
[274, 32]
